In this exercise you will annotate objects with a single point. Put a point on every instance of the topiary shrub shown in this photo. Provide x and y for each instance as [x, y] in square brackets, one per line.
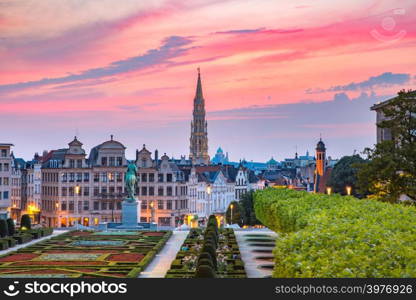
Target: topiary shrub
[10, 226]
[3, 228]
[25, 222]
[206, 262]
[204, 271]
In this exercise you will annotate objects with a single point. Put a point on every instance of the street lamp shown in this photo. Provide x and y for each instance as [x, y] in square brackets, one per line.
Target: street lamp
[348, 190]
[209, 189]
[328, 190]
[152, 211]
[231, 207]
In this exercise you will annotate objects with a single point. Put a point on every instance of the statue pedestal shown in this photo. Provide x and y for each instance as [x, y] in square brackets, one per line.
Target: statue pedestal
[130, 214]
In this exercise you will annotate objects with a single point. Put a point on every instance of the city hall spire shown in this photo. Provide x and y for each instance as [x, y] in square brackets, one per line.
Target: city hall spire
[199, 128]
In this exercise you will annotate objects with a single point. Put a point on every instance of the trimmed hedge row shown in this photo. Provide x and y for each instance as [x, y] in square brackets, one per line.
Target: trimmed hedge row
[338, 236]
[186, 261]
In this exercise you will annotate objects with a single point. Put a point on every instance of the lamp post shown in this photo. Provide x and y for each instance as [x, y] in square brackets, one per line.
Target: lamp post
[348, 190]
[209, 199]
[328, 190]
[152, 211]
[231, 208]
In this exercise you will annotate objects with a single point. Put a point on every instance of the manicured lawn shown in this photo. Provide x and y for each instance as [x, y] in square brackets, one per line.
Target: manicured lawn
[86, 254]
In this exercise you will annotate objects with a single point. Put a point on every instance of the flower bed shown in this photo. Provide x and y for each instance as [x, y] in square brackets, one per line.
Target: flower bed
[85, 254]
[229, 263]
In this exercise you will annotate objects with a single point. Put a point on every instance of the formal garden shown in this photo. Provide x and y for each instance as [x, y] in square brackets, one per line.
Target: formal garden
[209, 253]
[11, 236]
[86, 254]
[338, 236]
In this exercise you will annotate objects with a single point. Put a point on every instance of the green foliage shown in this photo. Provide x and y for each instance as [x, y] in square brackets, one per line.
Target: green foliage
[3, 228]
[10, 226]
[247, 209]
[206, 262]
[391, 170]
[204, 271]
[26, 222]
[345, 174]
[236, 215]
[336, 236]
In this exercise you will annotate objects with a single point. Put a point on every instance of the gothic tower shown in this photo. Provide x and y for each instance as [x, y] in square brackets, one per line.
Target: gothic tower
[320, 158]
[199, 129]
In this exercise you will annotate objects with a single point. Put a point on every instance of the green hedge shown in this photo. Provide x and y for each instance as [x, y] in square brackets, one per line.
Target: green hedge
[336, 236]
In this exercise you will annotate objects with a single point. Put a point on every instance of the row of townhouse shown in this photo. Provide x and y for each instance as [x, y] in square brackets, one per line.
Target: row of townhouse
[64, 187]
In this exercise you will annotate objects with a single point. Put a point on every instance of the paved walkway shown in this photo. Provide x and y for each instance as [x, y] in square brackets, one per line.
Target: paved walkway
[55, 233]
[161, 263]
[250, 263]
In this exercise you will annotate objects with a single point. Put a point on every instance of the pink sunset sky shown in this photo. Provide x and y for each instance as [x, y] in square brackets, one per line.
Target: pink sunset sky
[276, 73]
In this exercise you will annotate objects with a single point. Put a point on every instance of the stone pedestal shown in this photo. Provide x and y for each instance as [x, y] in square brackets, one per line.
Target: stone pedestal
[130, 214]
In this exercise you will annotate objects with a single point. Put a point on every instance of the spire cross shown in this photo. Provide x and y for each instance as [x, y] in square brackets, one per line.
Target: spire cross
[199, 70]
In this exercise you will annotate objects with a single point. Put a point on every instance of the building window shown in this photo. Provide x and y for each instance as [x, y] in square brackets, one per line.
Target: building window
[79, 163]
[3, 153]
[144, 191]
[5, 194]
[71, 177]
[111, 176]
[120, 190]
[86, 177]
[86, 205]
[169, 191]
[104, 190]
[119, 161]
[64, 191]
[169, 204]
[151, 177]
[111, 190]
[119, 177]
[96, 177]
[151, 191]
[160, 191]
[103, 161]
[103, 205]
[118, 205]
[160, 177]
[71, 191]
[86, 191]
[64, 177]
[63, 206]
[169, 177]
[103, 177]
[144, 204]
[72, 163]
[96, 205]
[79, 177]
[96, 191]
[159, 204]
[112, 161]
[71, 205]
[144, 177]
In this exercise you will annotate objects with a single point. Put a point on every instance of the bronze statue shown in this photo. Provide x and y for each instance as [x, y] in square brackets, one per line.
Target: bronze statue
[130, 180]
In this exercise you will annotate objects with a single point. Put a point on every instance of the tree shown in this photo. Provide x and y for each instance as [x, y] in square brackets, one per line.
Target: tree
[247, 209]
[3, 228]
[344, 175]
[236, 213]
[391, 170]
[25, 222]
[10, 226]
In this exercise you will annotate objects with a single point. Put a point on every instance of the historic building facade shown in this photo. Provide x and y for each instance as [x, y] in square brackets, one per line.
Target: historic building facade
[198, 153]
[5, 179]
[161, 189]
[84, 191]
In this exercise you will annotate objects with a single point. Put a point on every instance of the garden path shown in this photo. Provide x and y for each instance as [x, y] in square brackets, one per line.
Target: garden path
[55, 233]
[161, 263]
